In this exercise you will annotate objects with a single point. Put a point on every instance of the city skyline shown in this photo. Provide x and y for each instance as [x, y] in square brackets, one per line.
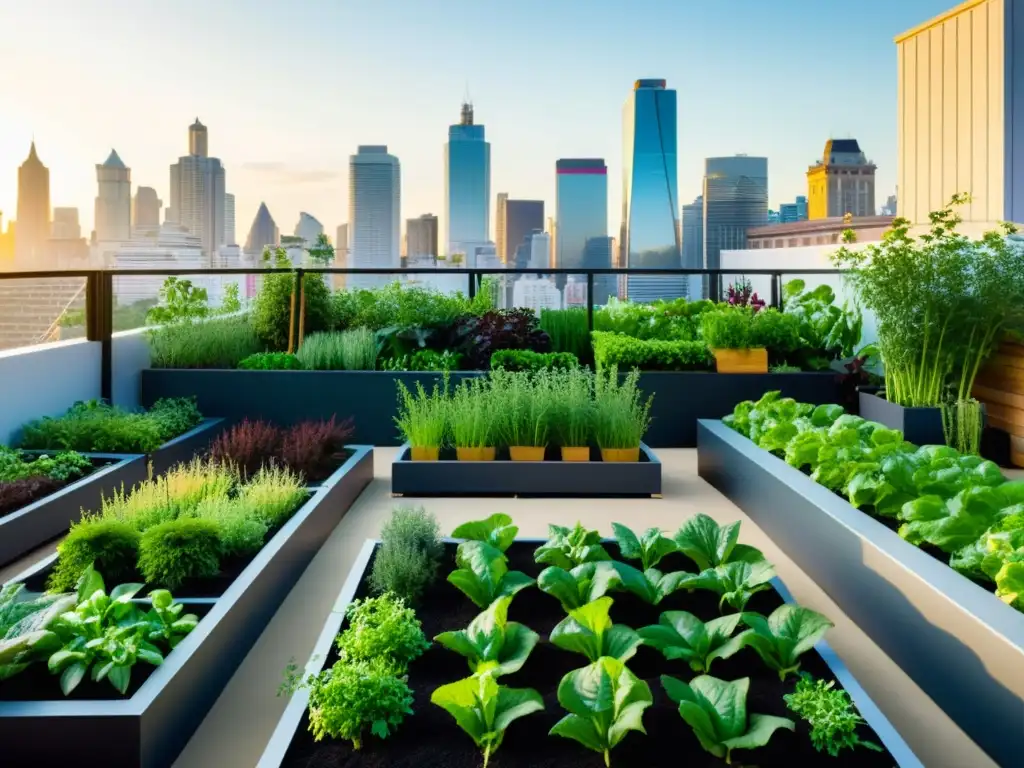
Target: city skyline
[300, 163]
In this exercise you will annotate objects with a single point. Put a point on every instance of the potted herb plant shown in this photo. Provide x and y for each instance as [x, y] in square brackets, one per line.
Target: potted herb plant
[423, 420]
[524, 423]
[621, 416]
[471, 416]
[572, 413]
[729, 334]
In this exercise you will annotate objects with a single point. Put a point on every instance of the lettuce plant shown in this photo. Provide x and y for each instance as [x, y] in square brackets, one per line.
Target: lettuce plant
[569, 547]
[583, 584]
[652, 586]
[784, 636]
[492, 643]
[1010, 581]
[735, 583]
[25, 627]
[497, 530]
[649, 547]
[717, 712]
[484, 709]
[709, 544]
[681, 635]
[605, 702]
[483, 574]
[984, 558]
[589, 630]
[960, 521]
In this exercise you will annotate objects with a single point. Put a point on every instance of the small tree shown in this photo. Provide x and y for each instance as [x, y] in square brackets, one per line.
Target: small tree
[180, 301]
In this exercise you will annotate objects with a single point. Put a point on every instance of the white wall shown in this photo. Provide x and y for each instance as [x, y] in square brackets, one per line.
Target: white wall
[130, 356]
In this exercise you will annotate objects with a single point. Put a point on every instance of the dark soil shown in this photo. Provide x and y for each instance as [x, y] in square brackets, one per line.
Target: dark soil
[431, 738]
[37, 684]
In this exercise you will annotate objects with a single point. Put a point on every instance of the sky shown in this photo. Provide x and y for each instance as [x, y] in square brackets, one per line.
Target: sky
[289, 88]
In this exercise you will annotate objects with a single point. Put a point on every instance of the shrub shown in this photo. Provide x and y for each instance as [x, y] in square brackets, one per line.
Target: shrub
[568, 331]
[94, 426]
[270, 361]
[310, 448]
[62, 467]
[242, 528]
[728, 328]
[621, 416]
[246, 446]
[16, 494]
[625, 352]
[777, 332]
[111, 546]
[271, 311]
[422, 417]
[187, 548]
[409, 555]
[398, 305]
[275, 493]
[175, 416]
[527, 360]
[221, 343]
[382, 628]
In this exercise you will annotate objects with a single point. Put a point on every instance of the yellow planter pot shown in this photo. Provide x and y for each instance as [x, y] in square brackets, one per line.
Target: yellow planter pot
[620, 454]
[575, 453]
[424, 453]
[741, 360]
[526, 453]
[475, 454]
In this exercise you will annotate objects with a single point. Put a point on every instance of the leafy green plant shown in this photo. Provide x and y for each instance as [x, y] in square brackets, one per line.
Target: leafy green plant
[409, 554]
[710, 545]
[112, 545]
[589, 630]
[25, 626]
[681, 635]
[180, 301]
[483, 575]
[621, 415]
[472, 415]
[649, 547]
[528, 360]
[652, 586]
[830, 713]
[958, 522]
[497, 530]
[171, 552]
[492, 644]
[423, 418]
[219, 343]
[829, 331]
[484, 709]
[728, 328]
[735, 582]
[569, 547]
[783, 637]
[62, 467]
[614, 350]
[270, 361]
[717, 712]
[579, 586]
[382, 628]
[605, 702]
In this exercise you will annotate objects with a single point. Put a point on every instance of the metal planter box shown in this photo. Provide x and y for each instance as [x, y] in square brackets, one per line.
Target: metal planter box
[962, 645]
[150, 729]
[184, 447]
[526, 478]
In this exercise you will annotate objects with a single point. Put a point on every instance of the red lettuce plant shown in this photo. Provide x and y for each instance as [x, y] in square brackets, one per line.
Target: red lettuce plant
[247, 446]
[21, 493]
[311, 447]
[742, 294]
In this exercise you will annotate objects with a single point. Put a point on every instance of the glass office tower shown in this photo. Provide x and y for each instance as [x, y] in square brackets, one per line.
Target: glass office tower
[650, 196]
[735, 199]
[581, 215]
[467, 183]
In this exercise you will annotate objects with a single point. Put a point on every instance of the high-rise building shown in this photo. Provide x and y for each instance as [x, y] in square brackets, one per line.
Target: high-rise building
[735, 199]
[553, 231]
[467, 183]
[842, 182]
[262, 233]
[65, 224]
[421, 237]
[650, 197]
[198, 192]
[522, 217]
[33, 222]
[960, 114]
[693, 244]
[146, 213]
[67, 247]
[790, 212]
[581, 208]
[374, 204]
[308, 228]
[890, 207]
[500, 228]
[229, 219]
[113, 212]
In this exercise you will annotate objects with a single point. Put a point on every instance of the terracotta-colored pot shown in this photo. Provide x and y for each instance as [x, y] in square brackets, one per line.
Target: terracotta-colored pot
[424, 453]
[620, 454]
[475, 454]
[741, 360]
[526, 452]
[574, 453]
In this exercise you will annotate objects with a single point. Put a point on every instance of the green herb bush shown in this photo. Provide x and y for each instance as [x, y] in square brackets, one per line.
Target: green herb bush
[273, 494]
[661, 321]
[472, 414]
[830, 713]
[528, 360]
[621, 415]
[777, 332]
[409, 555]
[242, 528]
[402, 305]
[422, 360]
[382, 628]
[728, 328]
[572, 408]
[111, 545]
[219, 343]
[270, 361]
[352, 350]
[568, 331]
[63, 467]
[626, 352]
[171, 552]
[524, 418]
[422, 416]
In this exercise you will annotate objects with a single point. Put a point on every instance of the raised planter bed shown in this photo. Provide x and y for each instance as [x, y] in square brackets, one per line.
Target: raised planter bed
[431, 739]
[286, 397]
[33, 525]
[184, 447]
[151, 727]
[962, 645]
[549, 478]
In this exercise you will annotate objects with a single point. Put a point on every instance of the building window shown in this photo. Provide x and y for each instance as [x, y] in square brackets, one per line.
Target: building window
[791, 243]
[805, 241]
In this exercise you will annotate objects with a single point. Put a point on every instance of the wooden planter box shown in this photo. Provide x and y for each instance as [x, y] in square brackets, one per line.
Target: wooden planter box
[150, 728]
[1000, 386]
[527, 742]
[549, 478]
[960, 643]
[32, 526]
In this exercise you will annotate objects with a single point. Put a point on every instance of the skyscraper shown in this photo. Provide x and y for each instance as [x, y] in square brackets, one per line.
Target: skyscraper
[308, 228]
[229, 219]
[113, 212]
[421, 237]
[65, 224]
[67, 247]
[522, 217]
[501, 229]
[374, 209]
[147, 210]
[693, 244]
[467, 183]
[262, 233]
[650, 197]
[33, 224]
[581, 208]
[198, 191]
[735, 199]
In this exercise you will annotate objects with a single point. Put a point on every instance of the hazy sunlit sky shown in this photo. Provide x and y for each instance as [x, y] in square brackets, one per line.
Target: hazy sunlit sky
[289, 88]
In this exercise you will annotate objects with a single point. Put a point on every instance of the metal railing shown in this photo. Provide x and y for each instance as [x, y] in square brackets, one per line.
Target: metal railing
[99, 287]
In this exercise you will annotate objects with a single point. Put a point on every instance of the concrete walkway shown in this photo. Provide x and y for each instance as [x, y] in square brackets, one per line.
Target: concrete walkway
[238, 727]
